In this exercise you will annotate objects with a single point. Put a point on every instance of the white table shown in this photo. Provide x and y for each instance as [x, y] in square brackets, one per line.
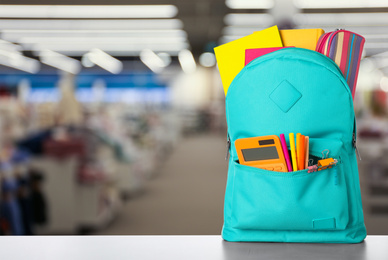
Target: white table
[180, 247]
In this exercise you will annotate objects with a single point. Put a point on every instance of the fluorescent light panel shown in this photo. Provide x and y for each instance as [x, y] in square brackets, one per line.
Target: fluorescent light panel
[105, 61]
[207, 59]
[330, 4]
[100, 40]
[375, 36]
[248, 19]
[363, 30]
[376, 45]
[152, 61]
[249, 4]
[15, 35]
[17, 61]
[328, 19]
[109, 46]
[60, 61]
[186, 59]
[241, 31]
[88, 11]
[9, 46]
[114, 49]
[135, 24]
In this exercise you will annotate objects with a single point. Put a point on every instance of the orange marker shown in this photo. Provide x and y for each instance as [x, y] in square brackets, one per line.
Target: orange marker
[300, 150]
[297, 140]
[306, 147]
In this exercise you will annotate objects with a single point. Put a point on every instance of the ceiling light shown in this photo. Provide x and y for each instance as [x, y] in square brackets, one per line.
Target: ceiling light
[15, 35]
[113, 48]
[342, 19]
[375, 36]
[91, 24]
[330, 4]
[248, 19]
[86, 62]
[88, 11]
[60, 61]
[376, 45]
[363, 30]
[151, 60]
[9, 46]
[186, 59]
[249, 4]
[17, 61]
[166, 58]
[82, 40]
[241, 31]
[105, 61]
[207, 59]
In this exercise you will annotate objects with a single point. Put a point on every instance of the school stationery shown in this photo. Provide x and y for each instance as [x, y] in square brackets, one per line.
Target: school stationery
[284, 92]
[293, 152]
[345, 49]
[251, 54]
[263, 152]
[325, 163]
[297, 140]
[300, 150]
[230, 56]
[285, 152]
[312, 168]
[301, 38]
[306, 144]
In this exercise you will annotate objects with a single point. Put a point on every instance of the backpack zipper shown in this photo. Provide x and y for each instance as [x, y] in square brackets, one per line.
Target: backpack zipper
[354, 141]
[355, 146]
[227, 148]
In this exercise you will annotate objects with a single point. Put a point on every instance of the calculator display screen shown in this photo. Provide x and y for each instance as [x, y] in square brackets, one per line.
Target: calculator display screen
[262, 153]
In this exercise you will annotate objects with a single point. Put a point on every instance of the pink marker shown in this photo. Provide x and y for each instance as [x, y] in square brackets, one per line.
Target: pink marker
[285, 152]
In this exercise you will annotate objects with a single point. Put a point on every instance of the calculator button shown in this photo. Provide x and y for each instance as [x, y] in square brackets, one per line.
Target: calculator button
[269, 168]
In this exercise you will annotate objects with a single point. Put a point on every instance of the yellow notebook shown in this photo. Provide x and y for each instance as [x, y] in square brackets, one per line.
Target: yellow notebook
[301, 38]
[231, 56]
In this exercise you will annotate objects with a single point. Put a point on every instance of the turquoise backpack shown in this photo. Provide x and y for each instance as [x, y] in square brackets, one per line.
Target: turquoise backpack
[293, 91]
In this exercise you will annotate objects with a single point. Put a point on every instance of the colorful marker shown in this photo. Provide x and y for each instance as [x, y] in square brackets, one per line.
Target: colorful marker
[293, 152]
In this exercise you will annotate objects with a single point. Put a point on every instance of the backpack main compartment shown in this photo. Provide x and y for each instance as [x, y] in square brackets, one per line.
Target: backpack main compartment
[293, 91]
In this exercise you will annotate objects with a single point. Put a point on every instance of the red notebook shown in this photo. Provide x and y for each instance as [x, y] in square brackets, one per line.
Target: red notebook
[251, 54]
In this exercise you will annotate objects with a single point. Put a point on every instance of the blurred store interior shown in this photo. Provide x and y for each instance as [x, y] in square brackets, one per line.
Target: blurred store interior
[112, 116]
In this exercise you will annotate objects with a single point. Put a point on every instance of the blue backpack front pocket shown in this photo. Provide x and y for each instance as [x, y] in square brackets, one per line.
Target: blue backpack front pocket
[268, 200]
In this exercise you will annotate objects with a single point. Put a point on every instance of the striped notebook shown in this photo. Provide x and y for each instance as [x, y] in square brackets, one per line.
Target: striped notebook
[345, 49]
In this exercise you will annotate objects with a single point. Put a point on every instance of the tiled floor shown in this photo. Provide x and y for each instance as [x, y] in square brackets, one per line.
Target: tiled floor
[186, 196]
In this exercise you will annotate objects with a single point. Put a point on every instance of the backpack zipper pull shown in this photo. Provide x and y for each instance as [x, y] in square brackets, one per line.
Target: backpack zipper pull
[227, 148]
[355, 146]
